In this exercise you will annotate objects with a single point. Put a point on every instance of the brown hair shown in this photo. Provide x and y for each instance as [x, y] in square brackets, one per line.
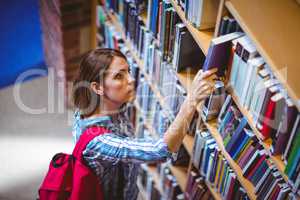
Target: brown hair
[92, 67]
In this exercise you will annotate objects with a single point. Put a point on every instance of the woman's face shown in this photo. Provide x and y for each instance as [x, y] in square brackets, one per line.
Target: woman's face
[118, 83]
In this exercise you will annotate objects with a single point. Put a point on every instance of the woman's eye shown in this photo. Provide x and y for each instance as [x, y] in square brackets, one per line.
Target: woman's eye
[118, 76]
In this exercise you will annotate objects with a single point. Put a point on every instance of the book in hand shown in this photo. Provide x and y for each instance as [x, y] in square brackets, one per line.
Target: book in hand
[219, 53]
[213, 104]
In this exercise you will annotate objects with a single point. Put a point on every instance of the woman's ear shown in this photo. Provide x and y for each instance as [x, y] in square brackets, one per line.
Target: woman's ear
[97, 88]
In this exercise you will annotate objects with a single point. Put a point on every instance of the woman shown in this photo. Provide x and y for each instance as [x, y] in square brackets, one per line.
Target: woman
[100, 91]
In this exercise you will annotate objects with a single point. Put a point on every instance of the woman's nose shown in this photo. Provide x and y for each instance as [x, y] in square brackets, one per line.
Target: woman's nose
[130, 79]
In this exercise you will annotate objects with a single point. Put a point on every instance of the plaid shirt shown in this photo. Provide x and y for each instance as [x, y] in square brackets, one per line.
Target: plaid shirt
[116, 157]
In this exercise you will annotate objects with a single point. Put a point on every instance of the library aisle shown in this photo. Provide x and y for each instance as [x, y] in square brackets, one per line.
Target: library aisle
[28, 141]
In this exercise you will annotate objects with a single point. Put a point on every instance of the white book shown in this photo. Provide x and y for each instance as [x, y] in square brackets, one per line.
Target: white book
[253, 64]
[224, 108]
[249, 52]
[238, 44]
[258, 93]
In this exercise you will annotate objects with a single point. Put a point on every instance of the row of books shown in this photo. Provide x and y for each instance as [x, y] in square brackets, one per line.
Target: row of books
[273, 111]
[169, 184]
[228, 25]
[196, 188]
[201, 13]
[166, 188]
[246, 150]
[211, 165]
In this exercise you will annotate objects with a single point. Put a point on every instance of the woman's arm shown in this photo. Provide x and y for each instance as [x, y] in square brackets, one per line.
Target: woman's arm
[114, 148]
[201, 88]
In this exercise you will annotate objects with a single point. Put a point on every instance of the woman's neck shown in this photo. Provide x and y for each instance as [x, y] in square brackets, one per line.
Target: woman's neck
[106, 109]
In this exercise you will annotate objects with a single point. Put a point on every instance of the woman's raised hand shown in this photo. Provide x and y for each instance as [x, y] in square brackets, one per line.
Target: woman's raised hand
[202, 86]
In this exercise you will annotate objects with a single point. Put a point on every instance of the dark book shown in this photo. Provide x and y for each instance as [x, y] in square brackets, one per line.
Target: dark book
[219, 53]
[188, 54]
[289, 117]
[223, 25]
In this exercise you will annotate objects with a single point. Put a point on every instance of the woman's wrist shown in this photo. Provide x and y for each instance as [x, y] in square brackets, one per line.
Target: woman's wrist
[191, 102]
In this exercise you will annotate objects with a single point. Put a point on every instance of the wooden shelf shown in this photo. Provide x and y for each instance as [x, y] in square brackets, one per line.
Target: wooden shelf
[238, 171]
[266, 144]
[144, 17]
[181, 175]
[274, 28]
[215, 194]
[188, 143]
[203, 38]
[153, 172]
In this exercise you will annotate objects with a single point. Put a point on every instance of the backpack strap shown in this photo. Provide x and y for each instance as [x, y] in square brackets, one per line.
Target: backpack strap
[88, 135]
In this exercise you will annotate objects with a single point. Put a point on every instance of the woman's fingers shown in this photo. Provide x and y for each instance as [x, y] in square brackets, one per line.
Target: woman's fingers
[208, 73]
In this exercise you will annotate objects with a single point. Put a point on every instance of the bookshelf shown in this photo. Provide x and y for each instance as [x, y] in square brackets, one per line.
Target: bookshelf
[269, 45]
[266, 144]
[274, 17]
[211, 126]
[202, 38]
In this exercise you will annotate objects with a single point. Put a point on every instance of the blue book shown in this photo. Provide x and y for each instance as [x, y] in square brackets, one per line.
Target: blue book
[236, 136]
[259, 173]
[209, 150]
[240, 145]
[228, 116]
[296, 162]
[155, 6]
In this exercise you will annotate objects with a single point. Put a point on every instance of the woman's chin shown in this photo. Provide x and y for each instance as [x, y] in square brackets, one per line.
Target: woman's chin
[131, 97]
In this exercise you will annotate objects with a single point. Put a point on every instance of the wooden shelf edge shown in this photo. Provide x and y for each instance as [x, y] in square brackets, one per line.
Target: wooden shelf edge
[244, 182]
[202, 38]
[188, 143]
[276, 159]
[181, 175]
[215, 194]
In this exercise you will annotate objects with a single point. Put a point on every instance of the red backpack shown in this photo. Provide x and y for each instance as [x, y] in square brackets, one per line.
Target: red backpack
[69, 177]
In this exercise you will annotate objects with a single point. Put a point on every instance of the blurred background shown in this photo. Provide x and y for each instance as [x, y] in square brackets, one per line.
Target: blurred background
[41, 44]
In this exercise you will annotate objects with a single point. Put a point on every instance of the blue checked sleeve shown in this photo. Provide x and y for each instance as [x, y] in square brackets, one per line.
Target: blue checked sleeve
[115, 148]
